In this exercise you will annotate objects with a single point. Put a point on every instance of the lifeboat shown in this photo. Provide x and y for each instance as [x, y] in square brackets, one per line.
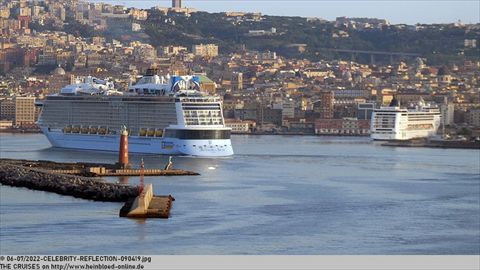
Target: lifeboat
[142, 132]
[158, 132]
[93, 130]
[102, 130]
[84, 129]
[67, 129]
[76, 129]
[151, 132]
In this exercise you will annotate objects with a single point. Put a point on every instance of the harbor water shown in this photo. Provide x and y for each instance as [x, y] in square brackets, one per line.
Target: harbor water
[277, 195]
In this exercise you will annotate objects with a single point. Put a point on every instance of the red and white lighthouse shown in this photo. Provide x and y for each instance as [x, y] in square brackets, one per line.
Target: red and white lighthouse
[123, 151]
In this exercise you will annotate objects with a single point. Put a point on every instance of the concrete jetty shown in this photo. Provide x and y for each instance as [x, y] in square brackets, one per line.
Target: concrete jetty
[146, 205]
[102, 171]
[93, 169]
[76, 186]
[435, 144]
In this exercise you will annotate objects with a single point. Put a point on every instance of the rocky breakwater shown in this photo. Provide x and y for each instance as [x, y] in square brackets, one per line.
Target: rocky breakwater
[76, 186]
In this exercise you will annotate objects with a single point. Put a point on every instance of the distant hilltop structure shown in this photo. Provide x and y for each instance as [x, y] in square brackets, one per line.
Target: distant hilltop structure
[177, 8]
[176, 3]
[361, 23]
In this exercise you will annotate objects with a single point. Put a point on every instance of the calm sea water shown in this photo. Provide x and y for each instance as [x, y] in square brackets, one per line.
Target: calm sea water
[277, 195]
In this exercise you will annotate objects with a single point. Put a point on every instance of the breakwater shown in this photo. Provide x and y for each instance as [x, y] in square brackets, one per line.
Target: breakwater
[71, 185]
[435, 144]
[92, 169]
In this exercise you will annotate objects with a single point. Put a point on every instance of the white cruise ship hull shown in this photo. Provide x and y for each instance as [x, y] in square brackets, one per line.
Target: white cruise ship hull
[144, 145]
[404, 135]
[169, 118]
[396, 124]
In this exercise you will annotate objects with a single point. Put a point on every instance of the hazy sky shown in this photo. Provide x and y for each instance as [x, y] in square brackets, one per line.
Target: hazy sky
[396, 11]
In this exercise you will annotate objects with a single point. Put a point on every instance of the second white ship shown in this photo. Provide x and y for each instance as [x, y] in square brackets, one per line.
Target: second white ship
[168, 116]
[396, 123]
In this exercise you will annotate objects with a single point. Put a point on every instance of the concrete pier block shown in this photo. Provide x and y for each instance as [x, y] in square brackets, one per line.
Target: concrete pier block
[146, 205]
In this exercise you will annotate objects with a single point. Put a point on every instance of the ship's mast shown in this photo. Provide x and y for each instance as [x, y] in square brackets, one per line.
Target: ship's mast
[443, 124]
[443, 114]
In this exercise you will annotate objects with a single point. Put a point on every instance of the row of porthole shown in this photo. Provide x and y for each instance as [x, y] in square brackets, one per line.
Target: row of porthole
[211, 146]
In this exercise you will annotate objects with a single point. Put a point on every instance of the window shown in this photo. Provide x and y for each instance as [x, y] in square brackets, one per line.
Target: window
[197, 134]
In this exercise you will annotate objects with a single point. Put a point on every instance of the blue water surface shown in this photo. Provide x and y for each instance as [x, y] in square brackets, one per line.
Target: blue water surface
[276, 195]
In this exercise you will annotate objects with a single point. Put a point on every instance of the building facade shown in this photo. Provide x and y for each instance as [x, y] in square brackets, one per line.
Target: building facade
[473, 117]
[239, 126]
[324, 107]
[24, 111]
[237, 81]
[205, 50]
[345, 126]
[7, 108]
[447, 111]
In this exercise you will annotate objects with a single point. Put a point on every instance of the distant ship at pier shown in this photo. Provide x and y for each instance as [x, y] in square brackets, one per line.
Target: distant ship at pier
[396, 123]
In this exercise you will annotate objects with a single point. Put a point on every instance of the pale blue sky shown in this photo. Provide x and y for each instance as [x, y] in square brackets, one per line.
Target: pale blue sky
[396, 11]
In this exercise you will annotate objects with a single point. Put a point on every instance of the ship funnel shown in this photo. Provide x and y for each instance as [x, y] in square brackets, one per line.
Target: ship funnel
[394, 102]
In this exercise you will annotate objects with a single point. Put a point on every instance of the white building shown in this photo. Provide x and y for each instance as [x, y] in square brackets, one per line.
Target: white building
[447, 111]
[239, 126]
[288, 109]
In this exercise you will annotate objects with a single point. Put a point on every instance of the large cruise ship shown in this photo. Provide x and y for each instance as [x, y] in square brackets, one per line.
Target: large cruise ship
[396, 123]
[164, 115]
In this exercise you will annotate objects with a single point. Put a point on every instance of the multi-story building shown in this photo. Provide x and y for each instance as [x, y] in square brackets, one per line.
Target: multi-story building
[237, 81]
[473, 117]
[239, 126]
[171, 50]
[411, 96]
[351, 93]
[24, 111]
[7, 109]
[14, 57]
[269, 116]
[324, 106]
[345, 126]
[139, 14]
[288, 109]
[95, 59]
[205, 50]
[448, 115]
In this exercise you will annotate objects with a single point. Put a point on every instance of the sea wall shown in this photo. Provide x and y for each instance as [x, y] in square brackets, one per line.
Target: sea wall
[435, 144]
[76, 186]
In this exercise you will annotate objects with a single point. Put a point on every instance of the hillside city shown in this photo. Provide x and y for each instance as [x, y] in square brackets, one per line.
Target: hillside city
[325, 80]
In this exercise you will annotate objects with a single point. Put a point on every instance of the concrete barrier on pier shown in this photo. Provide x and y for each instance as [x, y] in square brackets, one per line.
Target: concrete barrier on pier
[141, 203]
[146, 205]
[76, 186]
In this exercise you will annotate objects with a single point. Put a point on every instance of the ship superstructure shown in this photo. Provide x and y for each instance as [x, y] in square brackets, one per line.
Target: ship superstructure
[396, 123]
[164, 115]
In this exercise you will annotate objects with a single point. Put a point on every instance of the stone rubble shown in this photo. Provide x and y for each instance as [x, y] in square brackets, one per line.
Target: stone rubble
[70, 185]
